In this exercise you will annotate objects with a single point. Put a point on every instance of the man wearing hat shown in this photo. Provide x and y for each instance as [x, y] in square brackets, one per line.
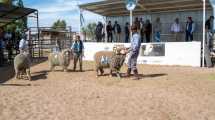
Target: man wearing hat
[134, 53]
[190, 28]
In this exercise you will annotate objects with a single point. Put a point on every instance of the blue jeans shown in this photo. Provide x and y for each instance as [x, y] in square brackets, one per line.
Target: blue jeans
[132, 60]
[157, 37]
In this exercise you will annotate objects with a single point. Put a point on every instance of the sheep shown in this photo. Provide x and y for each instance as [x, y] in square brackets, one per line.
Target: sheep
[112, 60]
[22, 65]
[60, 59]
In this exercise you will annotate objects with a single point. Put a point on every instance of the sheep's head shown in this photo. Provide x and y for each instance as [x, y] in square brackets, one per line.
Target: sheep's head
[66, 56]
[120, 50]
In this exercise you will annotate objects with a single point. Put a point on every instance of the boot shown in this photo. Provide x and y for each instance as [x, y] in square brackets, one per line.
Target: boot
[136, 75]
[128, 74]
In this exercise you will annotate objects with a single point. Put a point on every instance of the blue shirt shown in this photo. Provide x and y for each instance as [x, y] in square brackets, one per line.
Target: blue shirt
[135, 43]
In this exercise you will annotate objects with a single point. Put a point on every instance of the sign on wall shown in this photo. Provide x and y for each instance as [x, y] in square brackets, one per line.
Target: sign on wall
[153, 50]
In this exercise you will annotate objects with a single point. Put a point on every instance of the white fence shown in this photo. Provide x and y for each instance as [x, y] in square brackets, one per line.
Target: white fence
[175, 53]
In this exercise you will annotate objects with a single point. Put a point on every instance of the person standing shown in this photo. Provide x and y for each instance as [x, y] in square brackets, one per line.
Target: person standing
[1, 47]
[127, 32]
[134, 53]
[99, 29]
[190, 27]
[157, 30]
[23, 44]
[176, 30]
[142, 29]
[78, 52]
[209, 26]
[117, 31]
[137, 23]
[148, 31]
[109, 29]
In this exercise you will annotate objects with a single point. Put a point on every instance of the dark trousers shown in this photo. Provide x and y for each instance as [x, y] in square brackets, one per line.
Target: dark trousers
[148, 37]
[110, 37]
[98, 38]
[189, 36]
[126, 38]
[77, 58]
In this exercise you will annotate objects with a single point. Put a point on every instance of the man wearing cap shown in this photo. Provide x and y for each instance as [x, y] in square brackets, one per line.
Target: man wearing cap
[134, 53]
[190, 27]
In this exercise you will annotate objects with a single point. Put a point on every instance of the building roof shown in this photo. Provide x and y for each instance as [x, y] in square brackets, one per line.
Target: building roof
[117, 7]
[9, 14]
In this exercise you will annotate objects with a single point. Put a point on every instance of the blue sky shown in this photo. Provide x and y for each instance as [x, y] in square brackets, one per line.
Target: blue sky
[51, 10]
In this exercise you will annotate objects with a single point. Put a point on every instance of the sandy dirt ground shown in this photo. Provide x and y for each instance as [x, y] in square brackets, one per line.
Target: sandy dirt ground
[163, 93]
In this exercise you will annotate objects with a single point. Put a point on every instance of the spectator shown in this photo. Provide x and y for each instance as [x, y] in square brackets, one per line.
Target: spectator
[127, 32]
[209, 26]
[78, 51]
[137, 23]
[23, 45]
[9, 45]
[176, 30]
[134, 53]
[117, 31]
[190, 28]
[148, 31]
[1, 47]
[157, 30]
[142, 29]
[99, 32]
[109, 29]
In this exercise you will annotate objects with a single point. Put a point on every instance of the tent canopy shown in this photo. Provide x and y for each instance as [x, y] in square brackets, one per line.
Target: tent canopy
[117, 7]
[9, 14]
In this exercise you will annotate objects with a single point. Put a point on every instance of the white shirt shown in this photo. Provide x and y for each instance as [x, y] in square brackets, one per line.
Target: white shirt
[176, 28]
[23, 44]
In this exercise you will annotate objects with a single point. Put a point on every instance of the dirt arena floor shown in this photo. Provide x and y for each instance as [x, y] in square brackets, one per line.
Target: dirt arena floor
[163, 93]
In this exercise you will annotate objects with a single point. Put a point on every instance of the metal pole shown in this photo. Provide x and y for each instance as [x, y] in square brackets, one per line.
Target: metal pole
[131, 23]
[203, 44]
[38, 34]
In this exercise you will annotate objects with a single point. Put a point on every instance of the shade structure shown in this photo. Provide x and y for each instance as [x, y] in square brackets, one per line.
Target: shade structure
[9, 14]
[117, 7]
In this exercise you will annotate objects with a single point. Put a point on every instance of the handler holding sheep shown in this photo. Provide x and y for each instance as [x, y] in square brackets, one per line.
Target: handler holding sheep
[134, 53]
[78, 51]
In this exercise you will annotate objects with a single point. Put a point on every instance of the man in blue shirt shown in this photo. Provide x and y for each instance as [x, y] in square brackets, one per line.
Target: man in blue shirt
[134, 53]
[78, 52]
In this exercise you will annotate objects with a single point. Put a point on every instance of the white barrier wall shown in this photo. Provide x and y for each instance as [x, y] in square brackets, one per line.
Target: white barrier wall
[176, 53]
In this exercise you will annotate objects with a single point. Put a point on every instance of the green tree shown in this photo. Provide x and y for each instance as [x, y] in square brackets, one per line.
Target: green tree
[89, 31]
[18, 25]
[8, 2]
[59, 25]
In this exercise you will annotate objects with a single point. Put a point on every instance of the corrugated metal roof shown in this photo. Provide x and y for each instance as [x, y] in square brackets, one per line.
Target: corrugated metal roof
[9, 14]
[117, 7]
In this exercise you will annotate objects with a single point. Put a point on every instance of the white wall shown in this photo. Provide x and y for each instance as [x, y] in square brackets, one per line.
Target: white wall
[180, 53]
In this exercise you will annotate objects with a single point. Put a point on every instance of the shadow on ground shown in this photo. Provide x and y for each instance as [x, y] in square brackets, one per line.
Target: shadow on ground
[7, 71]
[39, 75]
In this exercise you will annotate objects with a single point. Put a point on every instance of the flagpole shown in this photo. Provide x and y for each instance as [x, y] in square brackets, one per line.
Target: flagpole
[204, 20]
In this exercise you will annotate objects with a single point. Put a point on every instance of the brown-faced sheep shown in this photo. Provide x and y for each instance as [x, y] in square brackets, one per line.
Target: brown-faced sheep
[60, 59]
[110, 59]
[22, 65]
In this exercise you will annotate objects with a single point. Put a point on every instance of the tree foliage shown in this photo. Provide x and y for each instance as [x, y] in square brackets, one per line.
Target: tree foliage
[59, 24]
[89, 30]
[18, 25]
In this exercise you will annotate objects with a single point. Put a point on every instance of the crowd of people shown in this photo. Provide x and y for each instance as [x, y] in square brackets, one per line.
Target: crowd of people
[146, 29]
[9, 44]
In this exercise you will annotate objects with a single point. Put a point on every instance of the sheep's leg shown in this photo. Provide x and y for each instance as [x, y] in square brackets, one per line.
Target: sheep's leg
[65, 69]
[111, 73]
[97, 72]
[28, 73]
[101, 71]
[118, 74]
